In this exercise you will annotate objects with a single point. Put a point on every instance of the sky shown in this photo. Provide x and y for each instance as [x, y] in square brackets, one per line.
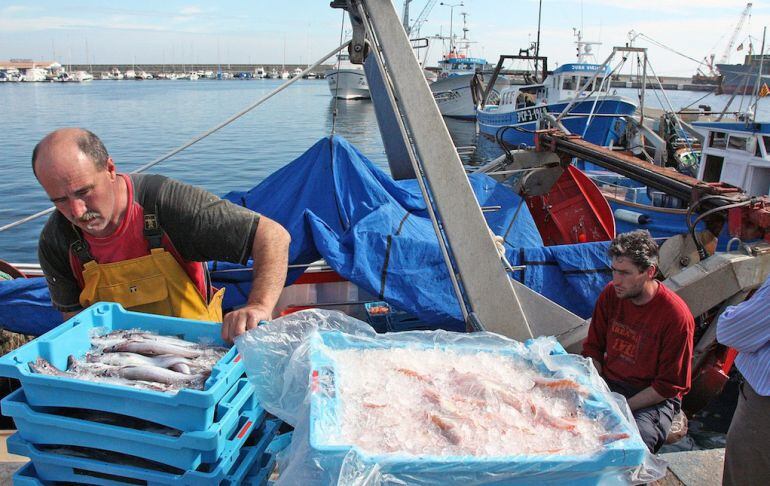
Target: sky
[300, 31]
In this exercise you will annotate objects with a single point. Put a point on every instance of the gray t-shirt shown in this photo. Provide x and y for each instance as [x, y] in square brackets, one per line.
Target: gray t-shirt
[200, 225]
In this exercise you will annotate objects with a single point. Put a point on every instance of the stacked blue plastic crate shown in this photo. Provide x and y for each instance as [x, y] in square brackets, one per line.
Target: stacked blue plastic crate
[218, 435]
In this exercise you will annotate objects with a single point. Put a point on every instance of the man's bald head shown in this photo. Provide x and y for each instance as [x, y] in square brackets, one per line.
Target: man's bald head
[87, 142]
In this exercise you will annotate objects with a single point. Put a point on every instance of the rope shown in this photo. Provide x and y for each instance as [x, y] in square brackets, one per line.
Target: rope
[201, 136]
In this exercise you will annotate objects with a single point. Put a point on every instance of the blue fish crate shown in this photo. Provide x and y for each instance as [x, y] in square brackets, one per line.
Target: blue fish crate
[325, 418]
[236, 413]
[186, 410]
[256, 463]
[49, 467]
[27, 476]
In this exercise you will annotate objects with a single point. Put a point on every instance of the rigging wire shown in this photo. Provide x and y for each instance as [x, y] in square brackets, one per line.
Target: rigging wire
[201, 136]
[337, 78]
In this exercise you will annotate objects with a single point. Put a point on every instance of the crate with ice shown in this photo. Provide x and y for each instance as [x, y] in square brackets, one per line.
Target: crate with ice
[430, 409]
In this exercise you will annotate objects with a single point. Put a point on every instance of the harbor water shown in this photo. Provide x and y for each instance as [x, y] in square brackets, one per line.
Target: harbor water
[139, 121]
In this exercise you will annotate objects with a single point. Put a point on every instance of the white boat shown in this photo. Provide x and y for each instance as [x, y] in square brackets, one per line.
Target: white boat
[311, 75]
[82, 76]
[274, 74]
[452, 87]
[296, 72]
[130, 74]
[347, 81]
[141, 74]
[35, 75]
[285, 74]
[260, 73]
[193, 77]
[13, 75]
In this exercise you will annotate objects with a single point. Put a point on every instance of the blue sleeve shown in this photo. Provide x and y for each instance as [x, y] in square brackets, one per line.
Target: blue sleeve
[746, 326]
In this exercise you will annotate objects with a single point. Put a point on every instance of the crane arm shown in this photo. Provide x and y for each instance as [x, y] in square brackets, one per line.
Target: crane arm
[726, 56]
[423, 15]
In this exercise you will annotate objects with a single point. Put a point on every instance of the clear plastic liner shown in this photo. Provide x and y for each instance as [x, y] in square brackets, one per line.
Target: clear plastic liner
[435, 407]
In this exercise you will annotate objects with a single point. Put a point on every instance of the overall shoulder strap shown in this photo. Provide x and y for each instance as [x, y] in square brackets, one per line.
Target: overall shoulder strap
[78, 246]
[153, 233]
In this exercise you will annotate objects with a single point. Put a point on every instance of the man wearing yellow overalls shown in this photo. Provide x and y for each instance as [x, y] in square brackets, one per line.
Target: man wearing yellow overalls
[143, 240]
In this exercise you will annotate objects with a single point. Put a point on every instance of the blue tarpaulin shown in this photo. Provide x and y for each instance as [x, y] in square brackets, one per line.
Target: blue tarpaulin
[375, 232]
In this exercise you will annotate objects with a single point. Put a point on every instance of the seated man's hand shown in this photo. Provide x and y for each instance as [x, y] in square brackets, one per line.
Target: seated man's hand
[240, 320]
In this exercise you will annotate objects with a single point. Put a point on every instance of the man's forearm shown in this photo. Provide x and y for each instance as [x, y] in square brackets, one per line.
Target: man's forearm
[645, 398]
[271, 258]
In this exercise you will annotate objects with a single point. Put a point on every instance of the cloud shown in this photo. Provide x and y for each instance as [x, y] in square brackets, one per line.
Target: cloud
[190, 11]
[17, 9]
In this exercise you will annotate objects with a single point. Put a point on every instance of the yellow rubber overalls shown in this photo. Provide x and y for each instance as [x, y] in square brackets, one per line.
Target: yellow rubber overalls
[154, 284]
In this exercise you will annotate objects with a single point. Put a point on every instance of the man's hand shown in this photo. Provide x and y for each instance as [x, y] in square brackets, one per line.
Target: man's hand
[645, 398]
[240, 320]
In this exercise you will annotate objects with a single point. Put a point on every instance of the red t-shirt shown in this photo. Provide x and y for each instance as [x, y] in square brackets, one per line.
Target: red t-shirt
[128, 242]
[648, 345]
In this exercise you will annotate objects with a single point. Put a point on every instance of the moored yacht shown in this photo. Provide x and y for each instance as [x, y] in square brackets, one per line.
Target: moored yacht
[82, 76]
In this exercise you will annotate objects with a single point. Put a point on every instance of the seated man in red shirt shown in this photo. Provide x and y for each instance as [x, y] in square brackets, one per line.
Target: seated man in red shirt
[641, 337]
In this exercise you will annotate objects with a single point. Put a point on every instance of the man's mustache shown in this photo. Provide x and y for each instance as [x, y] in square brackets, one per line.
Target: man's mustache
[88, 216]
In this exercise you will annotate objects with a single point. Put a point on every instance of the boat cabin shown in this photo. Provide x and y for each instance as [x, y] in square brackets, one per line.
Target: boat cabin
[569, 80]
[459, 65]
[737, 153]
[564, 83]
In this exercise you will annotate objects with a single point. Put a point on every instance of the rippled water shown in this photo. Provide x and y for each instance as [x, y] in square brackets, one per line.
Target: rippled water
[141, 120]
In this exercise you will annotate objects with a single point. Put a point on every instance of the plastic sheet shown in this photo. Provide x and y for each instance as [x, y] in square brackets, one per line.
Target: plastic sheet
[300, 365]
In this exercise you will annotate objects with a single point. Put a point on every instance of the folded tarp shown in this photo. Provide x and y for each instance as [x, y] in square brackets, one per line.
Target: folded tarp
[375, 232]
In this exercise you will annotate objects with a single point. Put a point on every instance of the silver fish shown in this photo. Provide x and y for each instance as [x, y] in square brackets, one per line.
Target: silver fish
[133, 359]
[43, 367]
[157, 375]
[154, 348]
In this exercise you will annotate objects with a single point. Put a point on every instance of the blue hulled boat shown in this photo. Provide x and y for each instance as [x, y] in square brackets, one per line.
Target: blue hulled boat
[592, 117]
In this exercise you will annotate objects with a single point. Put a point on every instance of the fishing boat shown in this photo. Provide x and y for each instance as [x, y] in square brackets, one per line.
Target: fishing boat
[347, 81]
[259, 73]
[580, 90]
[452, 87]
[741, 78]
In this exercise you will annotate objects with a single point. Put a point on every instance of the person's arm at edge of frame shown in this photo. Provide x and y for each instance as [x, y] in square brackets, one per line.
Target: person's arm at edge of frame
[746, 326]
[270, 253]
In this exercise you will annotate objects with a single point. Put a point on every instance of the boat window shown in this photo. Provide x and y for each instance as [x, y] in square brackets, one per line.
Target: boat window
[713, 170]
[738, 143]
[718, 140]
[569, 83]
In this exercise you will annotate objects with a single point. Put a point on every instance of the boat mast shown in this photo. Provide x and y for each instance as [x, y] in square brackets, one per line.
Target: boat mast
[537, 42]
[405, 18]
[759, 76]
